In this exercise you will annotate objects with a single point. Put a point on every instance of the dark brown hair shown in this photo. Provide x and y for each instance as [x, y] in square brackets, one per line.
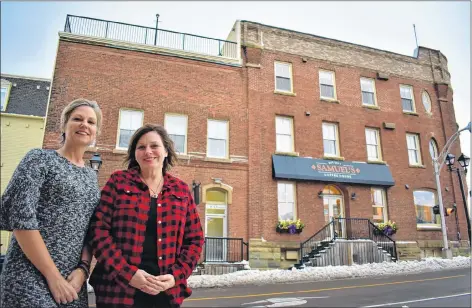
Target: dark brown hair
[171, 158]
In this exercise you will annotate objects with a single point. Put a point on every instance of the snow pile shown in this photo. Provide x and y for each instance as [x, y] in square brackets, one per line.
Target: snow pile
[326, 273]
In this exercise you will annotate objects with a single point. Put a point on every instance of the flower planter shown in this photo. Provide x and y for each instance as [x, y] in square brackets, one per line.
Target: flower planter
[288, 231]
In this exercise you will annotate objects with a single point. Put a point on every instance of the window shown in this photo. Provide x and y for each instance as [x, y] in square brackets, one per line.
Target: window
[284, 134]
[176, 126]
[379, 205]
[330, 139]
[413, 144]
[327, 89]
[368, 92]
[217, 139]
[424, 202]
[433, 148]
[130, 121]
[426, 101]
[283, 77]
[286, 200]
[408, 103]
[372, 139]
[4, 94]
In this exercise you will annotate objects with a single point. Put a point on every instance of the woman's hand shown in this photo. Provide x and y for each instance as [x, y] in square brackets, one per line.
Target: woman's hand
[145, 282]
[77, 279]
[163, 281]
[62, 291]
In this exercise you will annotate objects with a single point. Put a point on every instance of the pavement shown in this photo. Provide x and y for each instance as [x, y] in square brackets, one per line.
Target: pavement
[446, 288]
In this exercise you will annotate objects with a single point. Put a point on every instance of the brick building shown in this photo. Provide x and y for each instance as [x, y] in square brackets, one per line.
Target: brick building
[274, 124]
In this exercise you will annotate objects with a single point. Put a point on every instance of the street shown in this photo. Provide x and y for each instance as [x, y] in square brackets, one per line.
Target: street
[448, 288]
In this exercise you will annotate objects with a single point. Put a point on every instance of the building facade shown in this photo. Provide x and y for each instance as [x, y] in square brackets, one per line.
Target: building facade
[274, 125]
[22, 118]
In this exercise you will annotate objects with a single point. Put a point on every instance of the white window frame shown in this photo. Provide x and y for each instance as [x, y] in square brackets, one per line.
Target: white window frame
[333, 80]
[434, 147]
[377, 146]
[278, 133]
[374, 93]
[275, 76]
[336, 135]
[119, 125]
[283, 200]
[417, 149]
[226, 156]
[437, 216]
[6, 86]
[167, 117]
[426, 95]
[383, 205]
[413, 105]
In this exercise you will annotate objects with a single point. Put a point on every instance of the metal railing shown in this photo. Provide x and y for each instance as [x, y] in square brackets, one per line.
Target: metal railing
[150, 36]
[352, 228]
[385, 242]
[323, 237]
[225, 249]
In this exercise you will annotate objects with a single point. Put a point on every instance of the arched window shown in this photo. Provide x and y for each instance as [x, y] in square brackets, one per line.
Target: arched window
[433, 148]
[426, 101]
[331, 190]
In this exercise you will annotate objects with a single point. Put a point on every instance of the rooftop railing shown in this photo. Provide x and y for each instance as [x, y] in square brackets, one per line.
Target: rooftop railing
[150, 36]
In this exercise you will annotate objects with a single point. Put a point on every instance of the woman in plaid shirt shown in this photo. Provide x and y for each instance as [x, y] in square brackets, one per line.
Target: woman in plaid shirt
[145, 233]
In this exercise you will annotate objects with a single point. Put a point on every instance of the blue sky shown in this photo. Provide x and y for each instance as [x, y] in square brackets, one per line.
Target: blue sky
[29, 30]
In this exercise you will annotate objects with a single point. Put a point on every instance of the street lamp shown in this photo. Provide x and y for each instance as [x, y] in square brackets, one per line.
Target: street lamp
[464, 162]
[438, 162]
[96, 162]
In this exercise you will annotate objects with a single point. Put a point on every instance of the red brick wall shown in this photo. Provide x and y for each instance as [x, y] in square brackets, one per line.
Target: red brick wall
[352, 119]
[158, 84]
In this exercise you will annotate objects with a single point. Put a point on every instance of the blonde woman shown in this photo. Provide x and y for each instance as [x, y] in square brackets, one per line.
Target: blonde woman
[48, 204]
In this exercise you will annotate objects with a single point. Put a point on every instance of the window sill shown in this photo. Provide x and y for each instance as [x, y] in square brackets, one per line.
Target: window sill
[417, 166]
[91, 149]
[411, 113]
[285, 93]
[183, 156]
[333, 157]
[329, 100]
[428, 227]
[218, 160]
[378, 162]
[287, 153]
[119, 151]
[371, 107]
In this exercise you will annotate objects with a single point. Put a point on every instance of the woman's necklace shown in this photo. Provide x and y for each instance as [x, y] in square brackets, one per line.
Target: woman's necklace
[153, 193]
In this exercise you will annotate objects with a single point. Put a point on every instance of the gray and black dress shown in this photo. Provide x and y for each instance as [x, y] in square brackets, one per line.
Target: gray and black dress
[50, 194]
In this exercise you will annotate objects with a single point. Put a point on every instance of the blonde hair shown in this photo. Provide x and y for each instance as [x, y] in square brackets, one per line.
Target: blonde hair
[65, 115]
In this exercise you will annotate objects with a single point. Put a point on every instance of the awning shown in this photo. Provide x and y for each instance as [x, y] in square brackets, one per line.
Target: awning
[302, 168]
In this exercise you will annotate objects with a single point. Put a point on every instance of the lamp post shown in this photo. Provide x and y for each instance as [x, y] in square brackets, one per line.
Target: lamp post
[464, 162]
[438, 162]
[96, 162]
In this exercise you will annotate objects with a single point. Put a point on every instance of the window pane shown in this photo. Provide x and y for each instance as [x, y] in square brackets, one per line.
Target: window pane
[289, 193]
[217, 148]
[371, 136]
[329, 131]
[179, 143]
[286, 211]
[327, 91]
[411, 142]
[377, 197]
[283, 84]
[284, 143]
[433, 149]
[412, 157]
[281, 192]
[368, 98]
[424, 202]
[131, 119]
[283, 125]
[367, 85]
[372, 152]
[176, 125]
[125, 137]
[407, 105]
[218, 129]
[426, 101]
[282, 70]
[326, 78]
[3, 97]
[378, 214]
[405, 92]
[329, 147]
[215, 196]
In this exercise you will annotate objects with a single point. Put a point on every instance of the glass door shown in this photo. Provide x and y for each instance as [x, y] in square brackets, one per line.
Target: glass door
[215, 233]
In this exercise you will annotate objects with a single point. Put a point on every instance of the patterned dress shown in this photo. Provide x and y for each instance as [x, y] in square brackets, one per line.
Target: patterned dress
[50, 194]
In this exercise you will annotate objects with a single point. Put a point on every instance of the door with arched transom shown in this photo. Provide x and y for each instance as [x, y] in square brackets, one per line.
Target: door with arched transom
[333, 207]
[216, 225]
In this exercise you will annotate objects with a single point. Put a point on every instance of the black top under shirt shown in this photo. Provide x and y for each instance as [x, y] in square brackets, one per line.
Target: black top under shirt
[149, 256]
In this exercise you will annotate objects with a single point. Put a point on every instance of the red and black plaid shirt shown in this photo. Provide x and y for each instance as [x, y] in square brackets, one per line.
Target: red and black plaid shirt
[117, 233]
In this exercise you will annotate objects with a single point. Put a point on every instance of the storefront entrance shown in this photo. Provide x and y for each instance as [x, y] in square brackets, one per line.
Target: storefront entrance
[334, 208]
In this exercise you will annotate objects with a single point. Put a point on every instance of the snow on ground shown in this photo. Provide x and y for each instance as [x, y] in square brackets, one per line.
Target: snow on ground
[326, 273]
